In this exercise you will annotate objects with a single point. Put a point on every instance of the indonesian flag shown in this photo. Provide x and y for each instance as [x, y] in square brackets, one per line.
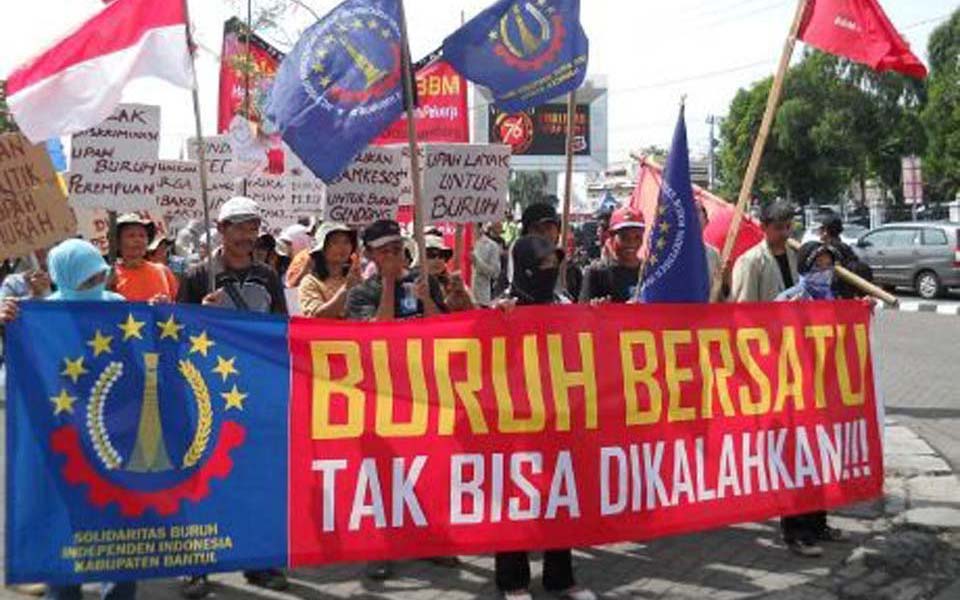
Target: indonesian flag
[78, 82]
[859, 30]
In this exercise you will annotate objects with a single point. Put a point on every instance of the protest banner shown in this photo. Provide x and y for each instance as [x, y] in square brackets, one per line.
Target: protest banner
[441, 114]
[33, 208]
[466, 183]
[547, 427]
[246, 74]
[114, 165]
[369, 189]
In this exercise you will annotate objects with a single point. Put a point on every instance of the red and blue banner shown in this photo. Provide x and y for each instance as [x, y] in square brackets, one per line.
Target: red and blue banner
[159, 441]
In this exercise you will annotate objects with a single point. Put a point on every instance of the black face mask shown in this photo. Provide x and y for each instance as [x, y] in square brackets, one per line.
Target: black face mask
[537, 285]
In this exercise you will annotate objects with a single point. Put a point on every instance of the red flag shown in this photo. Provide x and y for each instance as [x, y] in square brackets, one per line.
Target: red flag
[719, 212]
[859, 30]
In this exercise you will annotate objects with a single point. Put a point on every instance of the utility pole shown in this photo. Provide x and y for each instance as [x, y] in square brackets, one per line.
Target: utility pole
[711, 154]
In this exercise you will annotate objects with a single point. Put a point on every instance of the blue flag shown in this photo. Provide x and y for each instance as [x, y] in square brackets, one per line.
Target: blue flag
[526, 52]
[341, 86]
[145, 440]
[676, 269]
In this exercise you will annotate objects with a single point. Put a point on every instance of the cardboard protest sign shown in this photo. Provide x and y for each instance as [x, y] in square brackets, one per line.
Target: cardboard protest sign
[114, 165]
[178, 194]
[369, 189]
[465, 183]
[33, 208]
[222, 184]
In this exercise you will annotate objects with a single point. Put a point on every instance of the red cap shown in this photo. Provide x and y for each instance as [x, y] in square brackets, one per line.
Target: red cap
[624, 218]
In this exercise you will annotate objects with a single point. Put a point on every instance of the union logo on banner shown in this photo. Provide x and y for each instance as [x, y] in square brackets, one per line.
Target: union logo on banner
[146, 418]
[353, 59]
[530, 36]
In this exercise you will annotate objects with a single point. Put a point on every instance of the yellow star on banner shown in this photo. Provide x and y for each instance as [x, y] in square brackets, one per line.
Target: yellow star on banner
[170, 329]
[664, 227]
[201, 343]
[653, 259]
[661, 243]
[358, 24]
[100, 343]
[319, 68]
[325, 82]
[63, 403]
[234, 398]
[73, 369]
[372, 24]
[225, 368]
[385, 33]
[131, 329]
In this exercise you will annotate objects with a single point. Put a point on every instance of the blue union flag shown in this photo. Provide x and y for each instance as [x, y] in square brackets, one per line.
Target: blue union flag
[526, 51]
[676, 269]
[341, 86]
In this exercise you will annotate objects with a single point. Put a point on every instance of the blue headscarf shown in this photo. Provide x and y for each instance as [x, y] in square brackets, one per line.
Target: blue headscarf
[71, 264]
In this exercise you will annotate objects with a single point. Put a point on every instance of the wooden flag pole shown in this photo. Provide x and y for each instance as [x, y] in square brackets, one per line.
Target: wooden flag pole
[418, 208]
[568, 182]
[201, 155]
[746, 189]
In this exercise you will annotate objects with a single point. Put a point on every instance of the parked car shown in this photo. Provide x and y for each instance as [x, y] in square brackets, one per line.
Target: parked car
[922, 256]
[850, 236]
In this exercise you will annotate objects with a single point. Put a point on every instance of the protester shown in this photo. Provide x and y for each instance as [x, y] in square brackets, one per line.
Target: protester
[393, 293]
[265, 251]
[543, 221]
[242, 283]
[489, 261]
[135, 278]
[770, 267]
[292, 241]
[536, 269]
[455, 294]
[80, 274]
[615, 277]
[34, 283]
[713, 255]
[816, 267]
[336, 270]
[830, 230]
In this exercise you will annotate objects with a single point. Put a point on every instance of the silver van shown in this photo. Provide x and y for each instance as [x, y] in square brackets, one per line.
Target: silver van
[922, 256]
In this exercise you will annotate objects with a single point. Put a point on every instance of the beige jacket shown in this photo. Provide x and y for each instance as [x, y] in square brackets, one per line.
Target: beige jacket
[756, 275]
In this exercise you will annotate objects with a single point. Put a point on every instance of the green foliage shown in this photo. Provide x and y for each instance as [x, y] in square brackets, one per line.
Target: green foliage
[6, 121]
[838, 123]
[526, 188]
[941, 117]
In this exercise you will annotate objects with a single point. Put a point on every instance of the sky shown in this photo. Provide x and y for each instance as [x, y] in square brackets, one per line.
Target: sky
[651, 52]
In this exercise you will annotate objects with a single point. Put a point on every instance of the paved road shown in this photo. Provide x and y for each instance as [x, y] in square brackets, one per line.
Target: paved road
[920, 377]
[951, 299]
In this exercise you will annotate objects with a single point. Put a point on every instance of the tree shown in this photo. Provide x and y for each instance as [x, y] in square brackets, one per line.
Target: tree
[527, 188]
[6, 120]
[941, 116]
[838, 123]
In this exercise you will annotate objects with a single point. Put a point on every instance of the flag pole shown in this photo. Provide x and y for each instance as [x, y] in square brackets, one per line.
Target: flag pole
[568, 189]
[201, 152]
[418, 212]
[458, 244]
[746, 189]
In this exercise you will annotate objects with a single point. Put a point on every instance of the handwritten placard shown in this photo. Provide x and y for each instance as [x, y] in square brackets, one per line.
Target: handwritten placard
[465, 183]
[369, 189]
[33, 207]
[114, 165]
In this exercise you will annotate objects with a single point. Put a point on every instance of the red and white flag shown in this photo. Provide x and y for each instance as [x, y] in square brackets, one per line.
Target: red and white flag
[859, 30]
[78, 82]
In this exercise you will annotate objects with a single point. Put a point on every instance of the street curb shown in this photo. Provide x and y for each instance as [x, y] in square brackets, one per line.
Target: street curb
[928, 307]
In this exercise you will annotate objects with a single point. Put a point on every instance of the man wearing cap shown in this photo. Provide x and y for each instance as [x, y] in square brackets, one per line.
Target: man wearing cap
[242, 283]
[614, 278]
[135, 278]
[394, 292]
[830, 231]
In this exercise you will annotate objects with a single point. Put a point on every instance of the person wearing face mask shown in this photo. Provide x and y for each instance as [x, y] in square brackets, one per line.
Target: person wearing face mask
[614, 278]
[336, 270]
[817, 260]
[816, 266]
[80, 275]
[536, 269]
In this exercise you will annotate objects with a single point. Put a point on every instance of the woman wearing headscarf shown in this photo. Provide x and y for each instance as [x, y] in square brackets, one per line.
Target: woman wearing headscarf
[80, 274]
[336, 270]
